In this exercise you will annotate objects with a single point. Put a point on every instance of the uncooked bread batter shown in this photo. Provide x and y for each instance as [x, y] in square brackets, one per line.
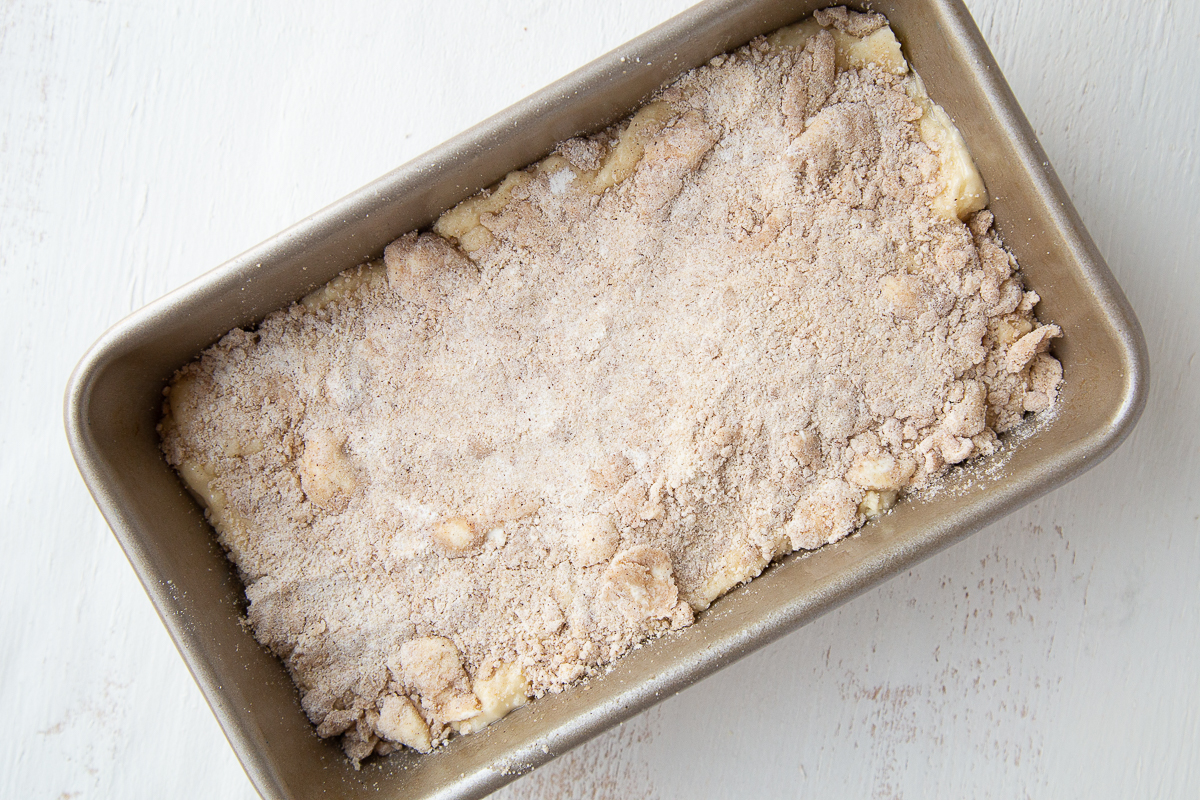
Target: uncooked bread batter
[597, 397]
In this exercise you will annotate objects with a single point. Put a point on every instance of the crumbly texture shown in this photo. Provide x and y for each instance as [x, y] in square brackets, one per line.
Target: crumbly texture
[607, 392]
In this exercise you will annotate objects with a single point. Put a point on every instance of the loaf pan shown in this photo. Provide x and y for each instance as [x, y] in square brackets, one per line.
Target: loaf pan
[114, 398]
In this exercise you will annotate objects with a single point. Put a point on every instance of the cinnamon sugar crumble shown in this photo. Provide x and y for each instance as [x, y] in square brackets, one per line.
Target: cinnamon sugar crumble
[614, 387]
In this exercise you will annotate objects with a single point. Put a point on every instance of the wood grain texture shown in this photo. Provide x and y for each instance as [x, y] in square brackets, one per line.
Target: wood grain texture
[1052, 654]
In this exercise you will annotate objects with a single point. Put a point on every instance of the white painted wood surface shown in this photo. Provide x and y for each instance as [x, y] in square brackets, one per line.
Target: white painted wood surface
[1053, 654]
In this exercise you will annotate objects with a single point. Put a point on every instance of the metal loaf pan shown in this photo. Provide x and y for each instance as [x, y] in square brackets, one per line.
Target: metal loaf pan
[113, 403]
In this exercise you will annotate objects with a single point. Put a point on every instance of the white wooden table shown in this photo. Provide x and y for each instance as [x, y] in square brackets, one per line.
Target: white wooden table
[1054, 654]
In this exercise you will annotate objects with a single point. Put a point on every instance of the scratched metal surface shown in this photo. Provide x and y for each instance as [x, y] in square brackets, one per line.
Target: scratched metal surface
[1051, 654]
